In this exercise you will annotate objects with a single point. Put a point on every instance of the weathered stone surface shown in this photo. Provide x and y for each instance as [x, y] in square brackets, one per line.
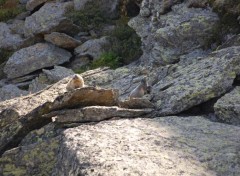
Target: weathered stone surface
[227, 108]
[62, 40]
[95, 114]
[108, 7]
[36, 159]
[21, 115]
[48, 19]
[17, 27]
[57, 73]
[8, 40]
[94, 47]
[202, 80]
[233, 41]
[33, 58]
[32, 4]
[136, 103]
[159, 146]
[11, 91]
[166, 37]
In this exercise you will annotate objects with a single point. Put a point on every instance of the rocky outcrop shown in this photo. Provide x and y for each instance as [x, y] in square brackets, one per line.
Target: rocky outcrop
[33, 58]
[202, 80]
[227, 107]
[165, 37]
[109, 8]
[50, 18]
[8, 40]
[21, 115]
[159, 146]
[93, 48]
[32, 4]
[62, 40]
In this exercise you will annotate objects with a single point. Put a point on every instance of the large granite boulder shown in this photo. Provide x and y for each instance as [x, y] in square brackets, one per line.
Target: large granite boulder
[62, 40]
[167, 36]
[159, 146]
[32, 4]
[33, 58]
[227, 108]
[9, 41]
[50, 18]
[93, 48]
[109, 8]
[205, 78]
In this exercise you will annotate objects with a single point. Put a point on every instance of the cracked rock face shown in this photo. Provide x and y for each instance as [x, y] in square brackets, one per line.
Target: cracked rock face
[204, 79]
[160, 146]
[167, 36]
[33, 58]
[227, 108]
[49, 18]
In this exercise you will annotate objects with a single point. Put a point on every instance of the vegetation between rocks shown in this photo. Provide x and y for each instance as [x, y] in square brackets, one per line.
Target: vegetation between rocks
[9, 9]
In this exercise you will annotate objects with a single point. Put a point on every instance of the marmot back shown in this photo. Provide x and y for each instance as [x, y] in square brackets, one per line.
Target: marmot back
[76, 82]
[140, 90]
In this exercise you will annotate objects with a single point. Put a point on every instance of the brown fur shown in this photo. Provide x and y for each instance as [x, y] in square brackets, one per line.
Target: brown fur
[142, 89]
[76, 82]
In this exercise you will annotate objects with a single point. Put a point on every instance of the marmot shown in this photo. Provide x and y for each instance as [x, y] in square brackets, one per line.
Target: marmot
[76, 82]
[141, 89]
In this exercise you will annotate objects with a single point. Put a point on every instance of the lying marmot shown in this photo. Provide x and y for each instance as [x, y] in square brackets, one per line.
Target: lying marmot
[76, 82]
[141, 89]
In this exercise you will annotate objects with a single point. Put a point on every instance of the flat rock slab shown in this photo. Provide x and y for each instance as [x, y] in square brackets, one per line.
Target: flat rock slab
[33, 58]
[62, 40]
[49, 18]
[95, 114]
[32, 4]
[198, 82]
[136, 103]
[227, 108]
[159, 146]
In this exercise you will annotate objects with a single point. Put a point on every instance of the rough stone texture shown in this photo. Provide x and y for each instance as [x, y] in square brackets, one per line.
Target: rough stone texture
[35, 159]
[57, 73]
[136, 103]
[11, 91]
[166, 37]
[95, 114]
[62, 40]
[227, 108]
[108, 7]
[233, 41]
[32, 4]
[17, 27]
[226, 7]
[160, 146]
[204, 79]
[94, 47]
[8, 40]
[21, 115]
[79, 62]
[33, 58]
[49, 18]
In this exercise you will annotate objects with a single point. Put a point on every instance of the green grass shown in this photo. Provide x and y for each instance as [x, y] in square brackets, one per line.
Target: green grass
[108, 59]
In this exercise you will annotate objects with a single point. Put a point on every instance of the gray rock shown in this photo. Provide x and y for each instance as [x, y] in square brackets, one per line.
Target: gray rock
[109, 8]
[95, 114]
[32, 4]
[232, 41]
[204, 79]
[33, 58]
[79, 62]
[136, 103]
[166, 37]
[11, 91]
[49, 18]
[8, 40]
[62, 40]
[17, 27]
[159, 146]
[57, 73]
[93, 48]
[227, 108]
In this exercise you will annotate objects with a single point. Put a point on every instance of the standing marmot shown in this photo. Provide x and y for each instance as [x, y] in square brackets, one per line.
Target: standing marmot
[141, 89]
[76, 82]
